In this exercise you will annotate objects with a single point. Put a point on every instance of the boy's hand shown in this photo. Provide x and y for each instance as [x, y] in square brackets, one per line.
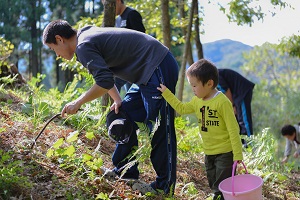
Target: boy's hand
[162, 88]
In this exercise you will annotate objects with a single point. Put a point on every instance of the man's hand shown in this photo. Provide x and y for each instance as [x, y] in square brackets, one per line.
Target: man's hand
[284, 160]
[70, 108]
[162, 88]
[296, 154]
[115, 106]
[115, 95]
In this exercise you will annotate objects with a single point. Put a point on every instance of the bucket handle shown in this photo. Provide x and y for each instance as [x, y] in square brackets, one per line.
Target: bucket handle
[233, 169]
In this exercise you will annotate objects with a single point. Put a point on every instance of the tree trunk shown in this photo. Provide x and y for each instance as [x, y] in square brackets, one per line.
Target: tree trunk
[109, 13]
[197, 35]
[165, 20]
[34, 41]
[108, 21]
[185, 53]
[181, 4]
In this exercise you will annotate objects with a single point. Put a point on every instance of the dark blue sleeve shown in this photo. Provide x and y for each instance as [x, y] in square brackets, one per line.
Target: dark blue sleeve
[90, 57]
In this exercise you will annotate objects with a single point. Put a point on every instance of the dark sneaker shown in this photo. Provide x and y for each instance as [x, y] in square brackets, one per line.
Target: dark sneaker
[218, 197]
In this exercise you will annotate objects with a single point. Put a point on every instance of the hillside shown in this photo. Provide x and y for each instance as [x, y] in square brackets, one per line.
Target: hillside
[63, 165]
[226, 53]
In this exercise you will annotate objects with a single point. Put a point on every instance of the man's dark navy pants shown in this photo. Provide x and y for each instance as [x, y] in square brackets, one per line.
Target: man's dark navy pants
[143, 103]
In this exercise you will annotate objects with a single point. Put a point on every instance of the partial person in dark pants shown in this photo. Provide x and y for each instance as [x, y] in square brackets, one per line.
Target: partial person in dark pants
[131, 19]
[239, 90]
[217, 123]
[138, 58]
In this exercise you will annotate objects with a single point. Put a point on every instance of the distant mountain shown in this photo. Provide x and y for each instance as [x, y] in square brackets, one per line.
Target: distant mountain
[226, 53]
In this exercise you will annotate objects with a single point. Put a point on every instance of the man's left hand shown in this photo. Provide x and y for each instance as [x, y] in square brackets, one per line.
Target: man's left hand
[115, 106]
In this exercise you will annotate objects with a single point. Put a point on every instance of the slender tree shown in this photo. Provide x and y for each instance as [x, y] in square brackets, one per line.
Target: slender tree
[32, 21]
[198, 43]
[165, 21]
[186, 50]
[108, 21]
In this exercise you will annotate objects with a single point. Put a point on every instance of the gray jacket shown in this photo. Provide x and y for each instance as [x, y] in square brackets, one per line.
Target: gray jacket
[289, 144]
[127, 54]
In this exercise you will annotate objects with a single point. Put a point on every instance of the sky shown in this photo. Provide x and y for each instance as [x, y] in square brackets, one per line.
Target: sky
[285, 23]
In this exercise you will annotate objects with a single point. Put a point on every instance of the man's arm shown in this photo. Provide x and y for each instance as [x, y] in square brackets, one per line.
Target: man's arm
[287, 151]
[229, 95]
[115, 95]
[94, 92]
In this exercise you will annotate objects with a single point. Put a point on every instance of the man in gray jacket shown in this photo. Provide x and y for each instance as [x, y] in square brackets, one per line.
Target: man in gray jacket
[292, 135]
[137, 58]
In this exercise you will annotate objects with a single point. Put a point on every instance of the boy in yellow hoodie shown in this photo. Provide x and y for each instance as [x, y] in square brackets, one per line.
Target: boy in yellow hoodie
[217, 123]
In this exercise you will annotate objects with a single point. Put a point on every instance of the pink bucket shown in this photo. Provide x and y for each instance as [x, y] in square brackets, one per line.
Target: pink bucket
[241, 187]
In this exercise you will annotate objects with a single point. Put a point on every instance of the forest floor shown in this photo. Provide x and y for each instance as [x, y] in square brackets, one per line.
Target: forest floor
[48, 180]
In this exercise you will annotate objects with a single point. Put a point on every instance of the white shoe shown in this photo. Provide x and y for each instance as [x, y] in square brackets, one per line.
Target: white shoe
[112, 175]
[144, 188]
[108, 173]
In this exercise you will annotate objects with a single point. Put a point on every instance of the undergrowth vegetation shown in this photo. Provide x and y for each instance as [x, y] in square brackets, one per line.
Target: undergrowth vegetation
[66, 159]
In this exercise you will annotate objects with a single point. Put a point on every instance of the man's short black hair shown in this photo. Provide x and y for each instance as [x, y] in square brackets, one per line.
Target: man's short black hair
[288, 130]
[58, 27]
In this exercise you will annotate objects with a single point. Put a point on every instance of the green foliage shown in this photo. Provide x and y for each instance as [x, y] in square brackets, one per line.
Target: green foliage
[102, 196]
[188, 137]
[241, 12]
[275, 94]
[7, 80]
[6, 48]
[245, 11]
[190, 189]
[291, 45]
[65, 152]
[10, 171]
[262, 159]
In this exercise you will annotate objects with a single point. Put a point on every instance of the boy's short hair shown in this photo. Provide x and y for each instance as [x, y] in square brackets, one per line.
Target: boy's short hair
[204, 71]
[58, 27]
[288, 130]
